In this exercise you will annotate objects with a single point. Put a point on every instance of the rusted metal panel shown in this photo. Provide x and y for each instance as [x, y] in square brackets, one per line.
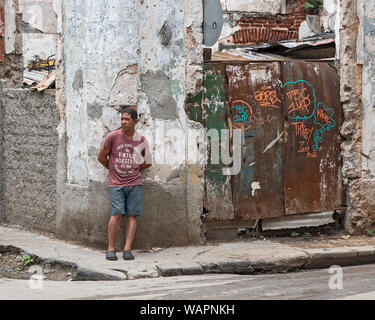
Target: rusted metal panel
[255, 105]
[313, 116]
[219, 201]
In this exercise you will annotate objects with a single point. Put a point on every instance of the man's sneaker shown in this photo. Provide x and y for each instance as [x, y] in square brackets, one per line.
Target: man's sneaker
[111, 255]
[127, 255]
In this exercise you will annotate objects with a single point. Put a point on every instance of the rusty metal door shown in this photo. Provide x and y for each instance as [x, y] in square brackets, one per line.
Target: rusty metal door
[258, 188]
[289, 114]
[313, 117]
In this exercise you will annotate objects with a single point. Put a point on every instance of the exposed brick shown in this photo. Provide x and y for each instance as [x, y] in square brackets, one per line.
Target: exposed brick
[270, 28]
[2, 17]
[254, 35]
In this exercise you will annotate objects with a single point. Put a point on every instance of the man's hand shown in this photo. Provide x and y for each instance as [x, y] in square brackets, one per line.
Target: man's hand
[144, 166]
[102, 157]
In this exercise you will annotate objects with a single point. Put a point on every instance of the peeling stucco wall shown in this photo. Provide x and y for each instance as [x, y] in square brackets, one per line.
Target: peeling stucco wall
[135, 53]
[357, 66]
[329, 19]
[39, 29]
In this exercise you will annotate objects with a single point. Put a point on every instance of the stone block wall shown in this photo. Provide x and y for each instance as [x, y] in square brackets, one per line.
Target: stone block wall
[29, 147]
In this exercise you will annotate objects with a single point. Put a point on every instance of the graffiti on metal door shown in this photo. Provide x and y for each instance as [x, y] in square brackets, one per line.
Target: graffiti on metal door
[311, 120]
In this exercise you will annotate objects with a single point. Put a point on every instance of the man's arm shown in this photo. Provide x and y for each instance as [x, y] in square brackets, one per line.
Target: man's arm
[102, 157]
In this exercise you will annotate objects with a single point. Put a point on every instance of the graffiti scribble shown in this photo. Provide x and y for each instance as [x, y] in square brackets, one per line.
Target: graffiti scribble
[267, 98]
[303, 107]
[300, 100]
[241, 112]
[325, 122]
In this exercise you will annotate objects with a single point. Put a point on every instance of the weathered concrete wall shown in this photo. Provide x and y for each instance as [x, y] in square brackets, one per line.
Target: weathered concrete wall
[11, 68]
[2, 32]
[93, 75]
[2, 209]
[366, 14]
[357, 66]
[29, 148]
[155, 63]
[169, 74]
[329, 19]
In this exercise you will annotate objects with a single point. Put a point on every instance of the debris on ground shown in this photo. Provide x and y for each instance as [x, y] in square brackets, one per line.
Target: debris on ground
[16, 264]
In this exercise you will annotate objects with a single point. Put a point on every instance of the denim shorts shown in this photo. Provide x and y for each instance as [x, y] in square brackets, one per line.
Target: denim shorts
[126, 200]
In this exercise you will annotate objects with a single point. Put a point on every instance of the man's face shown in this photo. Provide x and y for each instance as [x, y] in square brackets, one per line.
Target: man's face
[127, 122]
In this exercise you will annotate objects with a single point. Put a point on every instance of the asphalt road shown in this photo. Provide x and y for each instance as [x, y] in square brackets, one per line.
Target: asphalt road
[357, 283]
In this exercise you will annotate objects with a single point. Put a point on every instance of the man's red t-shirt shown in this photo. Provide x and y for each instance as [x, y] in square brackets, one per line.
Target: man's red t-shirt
[125, 157]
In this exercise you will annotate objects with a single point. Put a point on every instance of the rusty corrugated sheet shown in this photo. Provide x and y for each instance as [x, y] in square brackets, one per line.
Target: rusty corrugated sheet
[313, 117]
[258, 189]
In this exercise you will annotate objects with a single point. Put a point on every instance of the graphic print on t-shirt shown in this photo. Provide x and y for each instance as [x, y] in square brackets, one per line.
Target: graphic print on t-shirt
[125, 159]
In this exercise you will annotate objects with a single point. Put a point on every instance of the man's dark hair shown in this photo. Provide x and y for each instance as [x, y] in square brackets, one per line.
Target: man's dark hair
[133, 113]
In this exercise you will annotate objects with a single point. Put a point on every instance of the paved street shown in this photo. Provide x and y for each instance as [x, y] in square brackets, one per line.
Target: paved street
[358, 283]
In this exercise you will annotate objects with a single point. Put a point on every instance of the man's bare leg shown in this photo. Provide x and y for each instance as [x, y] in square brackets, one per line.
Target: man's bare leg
[131, 226]
[114, 226]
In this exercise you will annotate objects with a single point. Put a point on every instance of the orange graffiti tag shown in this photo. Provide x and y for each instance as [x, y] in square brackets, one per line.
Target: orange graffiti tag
[302, 131]
[299, 100]
[322, 116]
[267, 98]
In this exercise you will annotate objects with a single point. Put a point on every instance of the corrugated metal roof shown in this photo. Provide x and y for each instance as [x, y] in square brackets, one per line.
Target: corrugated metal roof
[39, 80]
[241, 54]
[34, 76]
[261, 52]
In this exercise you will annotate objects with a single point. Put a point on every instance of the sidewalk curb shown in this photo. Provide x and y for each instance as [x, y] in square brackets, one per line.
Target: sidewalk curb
[170, 270]
[233, 258]
[314, 259]
[342, 256]
[84, 274]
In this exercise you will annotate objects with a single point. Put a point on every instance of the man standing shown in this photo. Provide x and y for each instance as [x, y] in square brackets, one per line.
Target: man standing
[129, 154]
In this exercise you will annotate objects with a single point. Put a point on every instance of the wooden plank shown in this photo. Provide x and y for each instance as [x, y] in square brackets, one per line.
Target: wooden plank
[45, 83]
